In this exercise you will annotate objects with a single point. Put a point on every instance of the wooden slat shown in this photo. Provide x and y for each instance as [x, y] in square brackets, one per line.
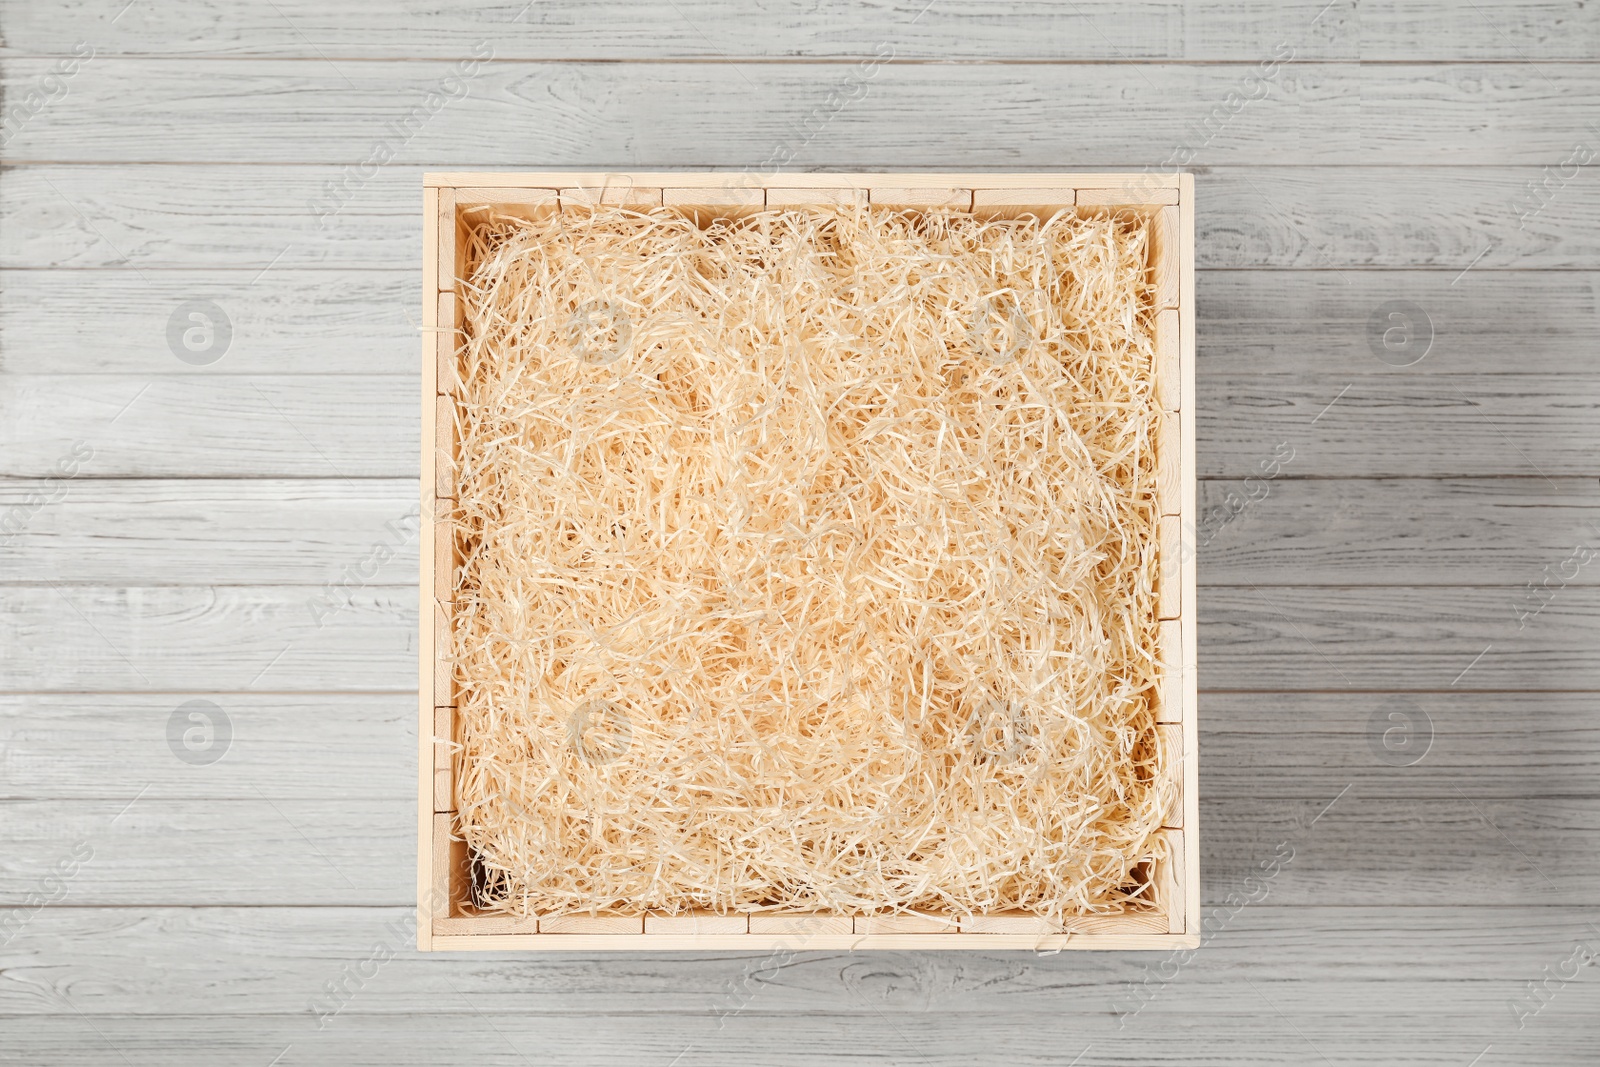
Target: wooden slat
[448, 240]
[468, 196]
[445, 560]
[702, 922]
[1166, 256]
[799, 924]
[1136, 193]
[1170, 881]
[1170, 707]
[1018, 923]
[480, 925]
[1168, 360]
[448, 324]
[450, 873]
[802, 196]
[444, 686]
[1169, 575]
[1172, 747]
[619, 194]
[1169, 463]
[1146, 32]
[1034, 196]
[954, 199]
[714, 196]
[904, 924]
[443, 759]
[592, 924]
[445, 440]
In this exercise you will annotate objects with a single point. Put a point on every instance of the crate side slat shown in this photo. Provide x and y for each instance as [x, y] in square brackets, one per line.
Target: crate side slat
[819, 180]
[1191, 640]
[801, 923]
[429, 374]
[903, 196]
[906, 924]
[700, 922]
[1168, 368]
[1140, 193]
[1169, 567]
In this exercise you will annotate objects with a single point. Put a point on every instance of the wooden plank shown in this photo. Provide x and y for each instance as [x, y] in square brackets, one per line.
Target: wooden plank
[1172, 747]
[700, 922]
[110, 746]
[1166, 256]
[623, 193]
[450, 873]
[1187, 355]
[1170, 879]
[1168, 360]
[1169, 648]
[444, 685]
[953, 199]
[1169, 463]
[446, 559]
[431, 210]
[1018, 923]
[714, 178]
[803, 196]
[265, 531]
[446, 439]
[1043, 201]
[592, 924]
[1169, 575]
[444, 738]
[1134, 193]
[1034, 1035]
[1397, 638]
[713, 196]
[1301, 218]
[448, 238]
[1509, 532]
[800, 925]
[904, 924]
[447, 373]
[961, 30]
[479, 925]
[84, 639]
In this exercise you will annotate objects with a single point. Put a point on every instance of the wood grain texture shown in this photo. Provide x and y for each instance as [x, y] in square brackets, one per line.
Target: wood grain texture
[1348, 962]
[900, 1027]
[224, 531]
[230, 638]
[530, 115]
[1390, 153]
[706, 30]
[1304, 218]
[113, 747]
[1396, 638]
[1457, 847]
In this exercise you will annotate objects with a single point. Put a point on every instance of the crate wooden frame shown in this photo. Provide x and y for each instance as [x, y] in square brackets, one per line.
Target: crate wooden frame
[445, 917]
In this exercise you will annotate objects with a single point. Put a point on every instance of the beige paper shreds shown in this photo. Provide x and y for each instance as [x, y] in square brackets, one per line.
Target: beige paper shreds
[808, 563]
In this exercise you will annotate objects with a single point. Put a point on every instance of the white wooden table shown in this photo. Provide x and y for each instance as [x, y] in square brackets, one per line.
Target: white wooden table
[230, 881]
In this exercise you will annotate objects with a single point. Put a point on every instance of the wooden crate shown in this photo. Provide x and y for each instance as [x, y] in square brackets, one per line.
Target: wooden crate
[446, 919]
